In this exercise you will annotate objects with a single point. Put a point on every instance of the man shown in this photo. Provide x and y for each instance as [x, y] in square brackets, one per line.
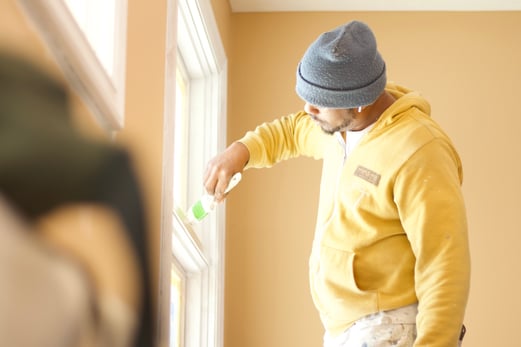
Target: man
[390, 262]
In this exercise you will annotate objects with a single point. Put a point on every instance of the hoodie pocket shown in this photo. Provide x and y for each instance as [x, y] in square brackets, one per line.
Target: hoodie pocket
[336, 292]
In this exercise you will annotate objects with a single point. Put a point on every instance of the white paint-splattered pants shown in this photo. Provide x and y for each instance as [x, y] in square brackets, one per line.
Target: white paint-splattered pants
[395, 328]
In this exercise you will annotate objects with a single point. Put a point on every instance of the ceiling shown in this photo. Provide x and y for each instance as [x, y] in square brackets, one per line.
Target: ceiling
[374, 5]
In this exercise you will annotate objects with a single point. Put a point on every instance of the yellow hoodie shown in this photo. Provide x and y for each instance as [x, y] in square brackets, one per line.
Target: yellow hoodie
[391, 227]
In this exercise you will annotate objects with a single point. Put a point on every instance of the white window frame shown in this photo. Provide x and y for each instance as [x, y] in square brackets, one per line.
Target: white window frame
[198, 250]
[103, 93]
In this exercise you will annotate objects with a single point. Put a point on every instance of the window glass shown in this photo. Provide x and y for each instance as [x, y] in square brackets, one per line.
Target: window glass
[181, 136]
[97, 20]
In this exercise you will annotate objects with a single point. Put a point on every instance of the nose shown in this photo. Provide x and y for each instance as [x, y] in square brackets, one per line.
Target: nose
[310, 109]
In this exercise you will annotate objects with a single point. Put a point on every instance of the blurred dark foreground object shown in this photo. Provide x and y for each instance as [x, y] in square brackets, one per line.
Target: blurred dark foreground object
[47, 165]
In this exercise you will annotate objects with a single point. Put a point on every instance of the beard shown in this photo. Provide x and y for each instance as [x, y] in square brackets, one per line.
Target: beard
[329, 129]
[326, 128]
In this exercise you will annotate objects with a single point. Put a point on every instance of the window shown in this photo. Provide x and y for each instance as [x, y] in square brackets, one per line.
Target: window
[88, 40]
[197, 252]
[96, 18]
[176, 309]
[181, 135]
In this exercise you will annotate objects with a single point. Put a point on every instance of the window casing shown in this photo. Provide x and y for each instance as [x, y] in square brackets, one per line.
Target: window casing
[92, 60]
[199, 134]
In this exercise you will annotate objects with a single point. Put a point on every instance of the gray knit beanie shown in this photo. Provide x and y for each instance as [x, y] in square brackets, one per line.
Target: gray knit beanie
[342, 68]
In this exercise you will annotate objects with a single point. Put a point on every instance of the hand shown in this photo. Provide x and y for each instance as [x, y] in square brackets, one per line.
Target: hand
[222, 167]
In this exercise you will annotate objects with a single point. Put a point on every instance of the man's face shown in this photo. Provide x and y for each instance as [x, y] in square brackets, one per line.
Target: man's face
[332, 120]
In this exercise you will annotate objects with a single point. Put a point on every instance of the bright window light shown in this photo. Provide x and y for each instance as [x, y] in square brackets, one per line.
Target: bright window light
[96, 18]
[181, 136]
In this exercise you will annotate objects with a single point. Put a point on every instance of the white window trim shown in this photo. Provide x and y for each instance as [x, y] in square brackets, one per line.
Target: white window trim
[200, 252]
[73, 53]
[199, 41]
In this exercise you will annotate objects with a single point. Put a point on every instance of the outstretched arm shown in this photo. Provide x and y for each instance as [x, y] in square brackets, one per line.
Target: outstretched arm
[284, 138]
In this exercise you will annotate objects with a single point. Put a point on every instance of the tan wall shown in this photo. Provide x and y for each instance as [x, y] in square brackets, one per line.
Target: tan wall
[223, 18]
[467, 65]
[143, 131]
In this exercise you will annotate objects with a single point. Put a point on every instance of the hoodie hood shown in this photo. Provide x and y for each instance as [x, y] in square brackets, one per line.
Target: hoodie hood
[405, 100]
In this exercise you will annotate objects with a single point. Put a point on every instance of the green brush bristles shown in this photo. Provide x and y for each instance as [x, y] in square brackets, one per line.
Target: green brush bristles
[207, 202]
[199, 211]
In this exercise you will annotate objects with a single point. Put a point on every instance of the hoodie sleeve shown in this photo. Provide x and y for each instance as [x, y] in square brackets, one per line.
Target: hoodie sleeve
[431, 206]
[284, 138]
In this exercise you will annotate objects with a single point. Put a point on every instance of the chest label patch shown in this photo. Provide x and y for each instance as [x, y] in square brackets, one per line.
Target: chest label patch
[367, 175]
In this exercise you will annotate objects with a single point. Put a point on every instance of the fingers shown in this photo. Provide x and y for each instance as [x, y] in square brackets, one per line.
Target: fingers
[216, 181]
[221, 169]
